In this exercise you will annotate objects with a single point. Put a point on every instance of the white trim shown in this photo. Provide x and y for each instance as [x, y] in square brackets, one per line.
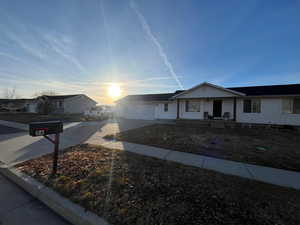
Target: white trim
[211, 85]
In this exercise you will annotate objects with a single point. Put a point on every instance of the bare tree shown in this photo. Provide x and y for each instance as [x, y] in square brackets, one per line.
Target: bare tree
[48, 92]
[10, 93]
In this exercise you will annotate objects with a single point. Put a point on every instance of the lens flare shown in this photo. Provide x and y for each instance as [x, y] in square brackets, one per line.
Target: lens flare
[114, 91]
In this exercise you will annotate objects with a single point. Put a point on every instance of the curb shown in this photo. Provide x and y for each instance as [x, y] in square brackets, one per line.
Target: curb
[70, 211]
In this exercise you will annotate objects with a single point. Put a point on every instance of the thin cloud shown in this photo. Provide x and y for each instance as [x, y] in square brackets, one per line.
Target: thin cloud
[155, 41]
[41, 44]
[130, 84]
[64, 47]
[6, 55]
[25, 45]
[107, 40]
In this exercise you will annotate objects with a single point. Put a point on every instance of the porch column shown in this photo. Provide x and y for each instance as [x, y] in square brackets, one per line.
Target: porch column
[234, 109]
[178, 108]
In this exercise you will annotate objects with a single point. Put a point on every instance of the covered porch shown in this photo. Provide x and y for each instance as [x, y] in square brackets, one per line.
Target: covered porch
[207, 102]
[206, 108]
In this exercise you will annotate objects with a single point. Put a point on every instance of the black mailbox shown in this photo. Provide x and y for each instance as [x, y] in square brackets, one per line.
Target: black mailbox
[45, 128]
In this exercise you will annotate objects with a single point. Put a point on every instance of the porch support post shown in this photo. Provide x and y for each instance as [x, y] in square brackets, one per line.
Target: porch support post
[178, 108]
[234, 109]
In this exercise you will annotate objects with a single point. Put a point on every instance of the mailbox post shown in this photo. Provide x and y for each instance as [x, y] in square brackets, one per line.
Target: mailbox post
[47, 128]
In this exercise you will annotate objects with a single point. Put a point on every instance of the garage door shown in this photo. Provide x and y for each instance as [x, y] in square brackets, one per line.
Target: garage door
[140, 111]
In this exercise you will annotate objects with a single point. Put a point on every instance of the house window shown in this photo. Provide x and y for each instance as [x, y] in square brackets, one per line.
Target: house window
[60, 104]
[296, 106]
[252, 105]
[166, 107]
[291, 105]
[287, 105]
[192, 106]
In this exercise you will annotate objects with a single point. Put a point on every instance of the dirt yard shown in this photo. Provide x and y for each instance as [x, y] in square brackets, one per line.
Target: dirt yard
[34, 117]
[128, 189]
[267, 147]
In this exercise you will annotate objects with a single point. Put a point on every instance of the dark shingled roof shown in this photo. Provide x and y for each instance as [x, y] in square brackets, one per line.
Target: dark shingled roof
[19, 100]
[288, 89]
[57, 97]
[150, 97]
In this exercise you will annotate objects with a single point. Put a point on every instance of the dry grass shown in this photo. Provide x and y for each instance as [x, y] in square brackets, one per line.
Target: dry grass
[282, 147]
[126, 188]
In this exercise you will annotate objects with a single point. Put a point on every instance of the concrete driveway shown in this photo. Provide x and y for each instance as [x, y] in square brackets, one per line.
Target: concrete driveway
[19, 146]
[116, 126]
[8, 130]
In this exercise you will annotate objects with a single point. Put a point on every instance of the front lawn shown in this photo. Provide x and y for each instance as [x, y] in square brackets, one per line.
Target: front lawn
[266, 147]
[126, 188]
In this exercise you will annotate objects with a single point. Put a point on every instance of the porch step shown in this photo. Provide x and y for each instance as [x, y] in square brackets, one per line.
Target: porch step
[197, 123]
[206, 123]
[217, 124]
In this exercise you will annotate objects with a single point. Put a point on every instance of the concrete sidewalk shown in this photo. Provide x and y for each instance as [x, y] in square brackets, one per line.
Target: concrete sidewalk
[279, 177]
[18, 207]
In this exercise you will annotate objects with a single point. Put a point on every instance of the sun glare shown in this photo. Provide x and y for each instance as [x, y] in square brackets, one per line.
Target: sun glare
[114, 91]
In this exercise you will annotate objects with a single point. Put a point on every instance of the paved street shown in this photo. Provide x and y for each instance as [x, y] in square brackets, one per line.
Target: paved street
[18, 207]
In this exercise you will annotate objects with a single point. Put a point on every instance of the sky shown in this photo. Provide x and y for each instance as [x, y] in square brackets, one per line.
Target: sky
[77, 46]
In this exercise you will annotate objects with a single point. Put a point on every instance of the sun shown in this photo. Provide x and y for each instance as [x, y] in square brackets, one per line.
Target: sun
[114, 91]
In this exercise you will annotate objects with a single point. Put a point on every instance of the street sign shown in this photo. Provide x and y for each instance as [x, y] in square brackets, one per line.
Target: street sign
[48, 128]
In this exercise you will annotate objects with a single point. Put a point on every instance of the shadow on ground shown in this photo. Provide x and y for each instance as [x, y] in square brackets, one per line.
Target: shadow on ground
[72, 136]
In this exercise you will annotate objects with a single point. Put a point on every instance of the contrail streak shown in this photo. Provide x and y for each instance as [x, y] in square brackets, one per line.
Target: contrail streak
[156, 42]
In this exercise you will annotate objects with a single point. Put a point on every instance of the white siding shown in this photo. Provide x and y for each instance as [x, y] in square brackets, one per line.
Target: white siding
[170, 114]
[271, 113]
[206, 91]
[227, 106]
[136, 110]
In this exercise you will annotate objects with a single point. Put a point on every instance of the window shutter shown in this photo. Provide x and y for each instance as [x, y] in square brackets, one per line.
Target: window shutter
[287, 105]
[186, 105]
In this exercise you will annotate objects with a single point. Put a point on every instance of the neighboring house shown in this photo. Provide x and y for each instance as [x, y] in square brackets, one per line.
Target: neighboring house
[68, 103]
[17, 105]
[60, 104]
[274, 104]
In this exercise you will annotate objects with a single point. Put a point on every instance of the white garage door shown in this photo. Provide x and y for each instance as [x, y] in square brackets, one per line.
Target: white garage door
[140, 111]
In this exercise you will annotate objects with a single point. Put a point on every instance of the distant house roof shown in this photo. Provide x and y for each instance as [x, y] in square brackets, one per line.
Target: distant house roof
[268, 90]
[60, 97]
[19, 100]
[288, 89]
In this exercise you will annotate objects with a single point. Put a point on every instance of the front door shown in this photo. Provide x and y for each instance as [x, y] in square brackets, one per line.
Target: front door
[217, 108]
